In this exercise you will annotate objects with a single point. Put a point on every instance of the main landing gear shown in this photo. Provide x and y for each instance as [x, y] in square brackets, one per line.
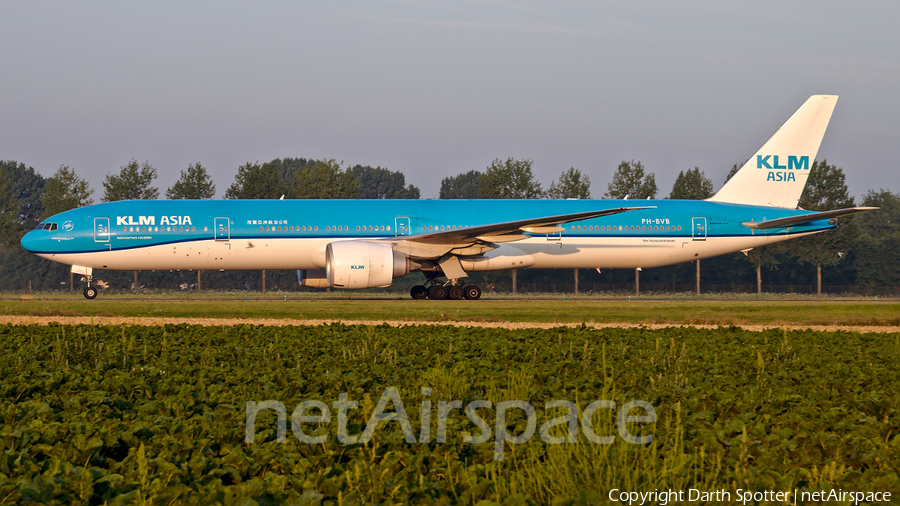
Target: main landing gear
[444, 292]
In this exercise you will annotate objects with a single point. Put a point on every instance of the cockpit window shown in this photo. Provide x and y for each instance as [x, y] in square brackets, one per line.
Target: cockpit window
[46, 226]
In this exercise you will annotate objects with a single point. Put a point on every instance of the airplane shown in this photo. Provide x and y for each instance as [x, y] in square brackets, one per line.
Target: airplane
[358, 244]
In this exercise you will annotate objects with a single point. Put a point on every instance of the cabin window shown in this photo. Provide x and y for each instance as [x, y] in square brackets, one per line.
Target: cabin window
[679, 228]
[389, 228]
[316, 228]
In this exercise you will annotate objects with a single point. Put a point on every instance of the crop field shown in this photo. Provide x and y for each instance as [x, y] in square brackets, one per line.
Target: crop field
[159, 414]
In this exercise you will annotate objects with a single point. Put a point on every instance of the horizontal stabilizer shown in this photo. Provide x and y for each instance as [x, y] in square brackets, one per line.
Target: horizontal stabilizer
[805, 218]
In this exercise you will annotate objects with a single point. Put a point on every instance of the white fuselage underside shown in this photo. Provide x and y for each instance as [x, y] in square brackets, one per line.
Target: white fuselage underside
[536, 252]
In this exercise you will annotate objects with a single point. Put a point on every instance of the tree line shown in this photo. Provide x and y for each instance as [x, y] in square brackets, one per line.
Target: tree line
[859, 252]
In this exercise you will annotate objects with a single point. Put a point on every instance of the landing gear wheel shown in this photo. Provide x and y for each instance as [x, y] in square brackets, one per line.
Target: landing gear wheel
[437, 292]
[418, 292]
[455, 293]
[90, 293]
[472, 292]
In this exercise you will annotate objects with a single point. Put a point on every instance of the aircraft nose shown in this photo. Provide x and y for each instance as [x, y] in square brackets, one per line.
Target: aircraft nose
[29, 241]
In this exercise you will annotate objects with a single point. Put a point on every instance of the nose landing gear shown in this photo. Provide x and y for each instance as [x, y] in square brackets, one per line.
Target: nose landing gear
[90, 292]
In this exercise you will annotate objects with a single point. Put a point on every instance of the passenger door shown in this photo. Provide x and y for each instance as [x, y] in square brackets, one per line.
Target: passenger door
[101, 229]
[223, 230]
[698, 228]
[401, 226]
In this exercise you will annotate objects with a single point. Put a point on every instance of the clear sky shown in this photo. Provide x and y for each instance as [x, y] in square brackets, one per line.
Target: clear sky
[437, 88]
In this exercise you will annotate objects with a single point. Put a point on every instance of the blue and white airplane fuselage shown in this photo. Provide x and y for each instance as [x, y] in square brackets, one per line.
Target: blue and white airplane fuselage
[293, 234]
[367, 243]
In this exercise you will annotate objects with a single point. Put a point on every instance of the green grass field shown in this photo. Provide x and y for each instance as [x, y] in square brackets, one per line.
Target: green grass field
[842, 311]
[157, 415]
[97, 414]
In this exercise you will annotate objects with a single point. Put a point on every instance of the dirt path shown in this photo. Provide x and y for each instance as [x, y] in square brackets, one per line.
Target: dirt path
[149, 321]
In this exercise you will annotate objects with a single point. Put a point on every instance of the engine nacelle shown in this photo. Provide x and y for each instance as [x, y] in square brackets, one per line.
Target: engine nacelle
[314, 278]
[360, 264]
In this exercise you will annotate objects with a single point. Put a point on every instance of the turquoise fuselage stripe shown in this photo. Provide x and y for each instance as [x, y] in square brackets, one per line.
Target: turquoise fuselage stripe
[128, 221]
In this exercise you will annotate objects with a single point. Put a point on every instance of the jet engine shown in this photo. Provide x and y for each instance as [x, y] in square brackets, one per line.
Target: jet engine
[360, 264]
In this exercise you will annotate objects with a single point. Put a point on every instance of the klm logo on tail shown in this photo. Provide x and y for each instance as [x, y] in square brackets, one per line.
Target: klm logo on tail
[778, 171]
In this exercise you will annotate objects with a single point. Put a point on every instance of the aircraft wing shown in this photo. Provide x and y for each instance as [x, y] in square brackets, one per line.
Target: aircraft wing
[805, 218]
[512, 230]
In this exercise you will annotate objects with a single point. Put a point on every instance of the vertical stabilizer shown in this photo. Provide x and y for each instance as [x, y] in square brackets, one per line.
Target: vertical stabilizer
[776, 174]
